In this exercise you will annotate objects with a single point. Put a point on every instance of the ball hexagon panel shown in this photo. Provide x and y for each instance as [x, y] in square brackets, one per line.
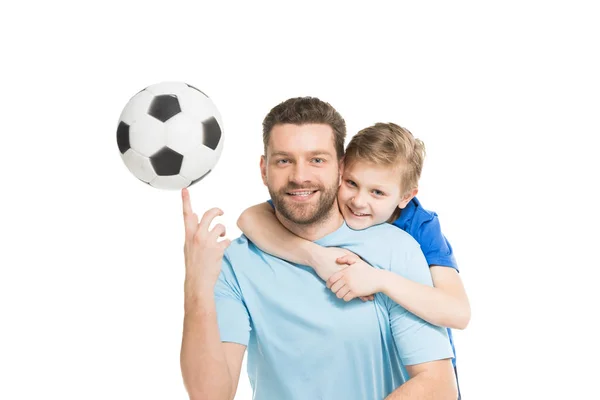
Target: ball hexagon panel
[139, 165]
[197, 161]
[138, 105]
[173, 182]
[147, 135]
[184, 132]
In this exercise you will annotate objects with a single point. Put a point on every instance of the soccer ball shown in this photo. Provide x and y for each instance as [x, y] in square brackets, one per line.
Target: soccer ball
[170, 135]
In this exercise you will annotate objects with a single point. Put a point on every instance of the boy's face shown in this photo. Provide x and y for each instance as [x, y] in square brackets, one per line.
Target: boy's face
[369, 194]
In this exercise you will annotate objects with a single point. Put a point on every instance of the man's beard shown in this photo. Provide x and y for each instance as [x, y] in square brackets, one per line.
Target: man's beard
[305, 214]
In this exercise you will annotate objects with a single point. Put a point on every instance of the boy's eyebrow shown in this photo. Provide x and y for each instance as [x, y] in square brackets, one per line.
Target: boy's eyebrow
[377, 186]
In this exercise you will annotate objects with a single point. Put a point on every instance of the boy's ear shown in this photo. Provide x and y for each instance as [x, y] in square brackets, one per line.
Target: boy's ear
[263, 169]
[408, 197]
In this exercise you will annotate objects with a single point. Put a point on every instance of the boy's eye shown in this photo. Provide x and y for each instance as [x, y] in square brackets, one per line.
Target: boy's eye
[378, 193]
[351, 183]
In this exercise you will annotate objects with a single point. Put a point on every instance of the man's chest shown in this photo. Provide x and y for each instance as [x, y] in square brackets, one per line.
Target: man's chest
[291, 306]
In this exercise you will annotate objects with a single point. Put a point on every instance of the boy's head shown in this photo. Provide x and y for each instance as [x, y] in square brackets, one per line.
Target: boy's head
[382, 167]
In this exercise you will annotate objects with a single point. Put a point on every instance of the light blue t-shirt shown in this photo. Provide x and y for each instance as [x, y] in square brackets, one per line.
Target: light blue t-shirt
[305, 343]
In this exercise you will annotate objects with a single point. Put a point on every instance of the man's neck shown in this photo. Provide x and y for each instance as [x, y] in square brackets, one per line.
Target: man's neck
[315, 231]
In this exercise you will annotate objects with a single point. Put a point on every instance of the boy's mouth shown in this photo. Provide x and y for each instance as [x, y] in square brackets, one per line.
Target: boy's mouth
[356, 213]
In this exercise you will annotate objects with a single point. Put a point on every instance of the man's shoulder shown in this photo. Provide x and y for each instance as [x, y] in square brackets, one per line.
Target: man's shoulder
[240, 246]
[380, 236]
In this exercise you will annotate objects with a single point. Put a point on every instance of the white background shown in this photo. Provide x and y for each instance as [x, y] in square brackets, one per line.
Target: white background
[505, 97]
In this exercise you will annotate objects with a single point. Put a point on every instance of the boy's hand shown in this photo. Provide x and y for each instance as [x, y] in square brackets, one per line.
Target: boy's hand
[202, 250]
[324, 261]
[359, 279]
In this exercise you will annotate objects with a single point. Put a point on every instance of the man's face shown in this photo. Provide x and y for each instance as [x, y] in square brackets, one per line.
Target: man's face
[302, 172]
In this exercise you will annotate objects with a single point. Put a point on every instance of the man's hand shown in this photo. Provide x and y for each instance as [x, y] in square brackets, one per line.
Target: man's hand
[202, 250]
[359, 279]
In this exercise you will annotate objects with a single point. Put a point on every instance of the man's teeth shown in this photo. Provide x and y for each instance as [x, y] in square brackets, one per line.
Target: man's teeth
[301, 193]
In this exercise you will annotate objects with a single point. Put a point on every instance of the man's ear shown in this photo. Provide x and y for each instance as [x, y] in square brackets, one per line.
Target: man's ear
[263, 169]
[408, 197]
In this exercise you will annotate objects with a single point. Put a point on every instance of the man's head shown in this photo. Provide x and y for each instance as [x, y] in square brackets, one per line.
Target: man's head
[304, 144]
[382, 167]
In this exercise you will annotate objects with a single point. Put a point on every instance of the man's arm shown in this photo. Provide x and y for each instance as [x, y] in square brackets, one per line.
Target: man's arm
[432, 380]
[210, 369]
[424, 349]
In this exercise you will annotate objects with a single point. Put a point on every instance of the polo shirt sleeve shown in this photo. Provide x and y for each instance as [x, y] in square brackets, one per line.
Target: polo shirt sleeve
[417, 341]
[434, 244]
[232, 315]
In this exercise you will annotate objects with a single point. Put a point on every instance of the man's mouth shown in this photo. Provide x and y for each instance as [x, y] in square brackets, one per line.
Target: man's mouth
[357, 213]
[301, 193]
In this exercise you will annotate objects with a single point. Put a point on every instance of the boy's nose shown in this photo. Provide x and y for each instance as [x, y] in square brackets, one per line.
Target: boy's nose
[358, 201]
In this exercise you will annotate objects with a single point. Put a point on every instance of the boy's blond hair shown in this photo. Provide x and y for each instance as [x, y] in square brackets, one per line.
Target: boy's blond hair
[389, 145]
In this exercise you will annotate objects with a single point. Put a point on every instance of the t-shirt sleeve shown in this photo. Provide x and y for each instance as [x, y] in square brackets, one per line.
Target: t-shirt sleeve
[417, 341]
[232, 315]
[434, 244]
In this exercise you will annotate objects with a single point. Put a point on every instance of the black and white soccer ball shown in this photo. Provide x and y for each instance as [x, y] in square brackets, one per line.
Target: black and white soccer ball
[170, 135]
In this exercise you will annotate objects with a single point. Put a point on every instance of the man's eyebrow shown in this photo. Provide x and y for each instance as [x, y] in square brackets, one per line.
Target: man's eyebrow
[311, 153]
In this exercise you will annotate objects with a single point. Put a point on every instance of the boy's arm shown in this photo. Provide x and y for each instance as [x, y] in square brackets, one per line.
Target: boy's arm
[445, 305]
[430, 380]
[261, 226]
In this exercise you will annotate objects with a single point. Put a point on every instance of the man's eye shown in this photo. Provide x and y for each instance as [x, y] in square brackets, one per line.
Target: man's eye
[283, 161]
[318, 160]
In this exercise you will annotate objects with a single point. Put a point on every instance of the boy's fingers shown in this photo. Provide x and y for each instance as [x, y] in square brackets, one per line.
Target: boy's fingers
[337, 286]
[344, 290]
[333, 279]
[349, 259]
[349, 296]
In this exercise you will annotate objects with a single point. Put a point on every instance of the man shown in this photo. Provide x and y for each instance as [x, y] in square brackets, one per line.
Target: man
[303, 342]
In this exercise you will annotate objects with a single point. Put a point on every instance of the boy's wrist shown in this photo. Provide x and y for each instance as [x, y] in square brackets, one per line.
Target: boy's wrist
[383, 281]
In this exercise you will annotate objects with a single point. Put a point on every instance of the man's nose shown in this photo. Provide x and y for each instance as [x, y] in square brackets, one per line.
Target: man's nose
[300, 174]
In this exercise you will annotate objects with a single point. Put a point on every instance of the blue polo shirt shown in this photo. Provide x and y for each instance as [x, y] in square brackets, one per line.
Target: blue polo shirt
[305, 343]
[424, 226]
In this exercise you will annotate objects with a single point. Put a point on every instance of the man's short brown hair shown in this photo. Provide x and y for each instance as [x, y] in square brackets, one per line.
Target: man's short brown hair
[306, 110]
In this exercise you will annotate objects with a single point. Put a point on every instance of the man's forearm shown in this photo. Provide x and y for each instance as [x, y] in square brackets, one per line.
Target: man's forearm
[203, 363]
[424, 386]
